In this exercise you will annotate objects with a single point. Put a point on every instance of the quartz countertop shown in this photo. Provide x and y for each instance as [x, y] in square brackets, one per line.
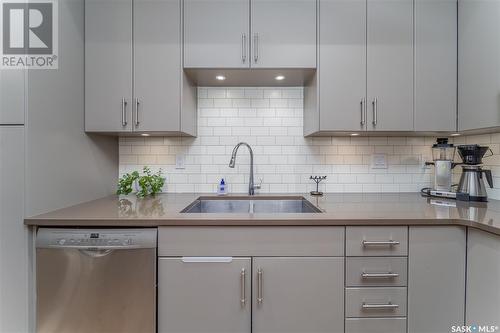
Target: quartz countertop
[337, 209]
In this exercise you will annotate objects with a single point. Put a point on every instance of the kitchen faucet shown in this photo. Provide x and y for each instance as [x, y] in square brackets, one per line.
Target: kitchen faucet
[251, 184]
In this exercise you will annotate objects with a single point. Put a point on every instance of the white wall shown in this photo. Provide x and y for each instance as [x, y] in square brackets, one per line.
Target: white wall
[270, 120]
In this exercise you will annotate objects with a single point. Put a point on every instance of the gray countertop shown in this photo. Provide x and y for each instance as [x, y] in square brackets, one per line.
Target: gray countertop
[337, 209]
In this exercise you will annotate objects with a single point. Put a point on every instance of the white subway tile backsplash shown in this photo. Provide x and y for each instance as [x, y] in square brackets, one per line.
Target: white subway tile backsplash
[270, 120]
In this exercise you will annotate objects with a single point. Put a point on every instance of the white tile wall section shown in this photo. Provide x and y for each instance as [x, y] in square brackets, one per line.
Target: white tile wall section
[270, 120]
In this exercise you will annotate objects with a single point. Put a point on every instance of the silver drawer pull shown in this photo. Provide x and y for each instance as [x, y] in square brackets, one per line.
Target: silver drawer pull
[378, 306]
[379, 275]
[243, 299]
[260, 297]
[380, 243]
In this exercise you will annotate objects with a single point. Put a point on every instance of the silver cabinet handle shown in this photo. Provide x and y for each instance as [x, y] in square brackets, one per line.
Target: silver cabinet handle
[255, 47]
[379, 275]
[380, 243]
[363, 120]
[124, 112]
[243, 298]
[260, 297]
[244, 47]
[375, 111]
[378, 306]
[137, 102]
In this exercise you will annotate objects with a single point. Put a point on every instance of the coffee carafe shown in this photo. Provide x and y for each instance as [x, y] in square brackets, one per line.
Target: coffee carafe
[472, 180]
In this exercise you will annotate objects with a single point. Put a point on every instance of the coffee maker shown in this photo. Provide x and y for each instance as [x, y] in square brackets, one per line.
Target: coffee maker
[471, 181]
[443, 155]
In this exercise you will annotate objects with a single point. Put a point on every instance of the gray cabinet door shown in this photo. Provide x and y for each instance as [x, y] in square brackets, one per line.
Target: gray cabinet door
[479, 63]
[13, 234]
[108, 65]
[298, 295]
[12, 97]
[283, 33]
[483, 278]
[436, 278]
[342, 65]
[390, 65]
[157, 65]
[204, 295]
[216, 33]
[435, 65]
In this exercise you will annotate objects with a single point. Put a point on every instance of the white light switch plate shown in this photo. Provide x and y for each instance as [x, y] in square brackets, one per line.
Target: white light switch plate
[379, 161]
[180, 161]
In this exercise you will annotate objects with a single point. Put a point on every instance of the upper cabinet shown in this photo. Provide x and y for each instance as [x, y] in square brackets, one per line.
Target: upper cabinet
[216, 33]
[390, 65]
[283, 33]
[234, 34]
[133, 74]
[365, 73]
[479, 64]
[436, 65]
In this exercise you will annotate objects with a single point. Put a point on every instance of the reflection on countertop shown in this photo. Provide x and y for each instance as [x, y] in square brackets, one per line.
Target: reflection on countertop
[337, 209]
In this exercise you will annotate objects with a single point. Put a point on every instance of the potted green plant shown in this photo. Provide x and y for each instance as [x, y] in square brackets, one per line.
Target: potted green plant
[148, 183]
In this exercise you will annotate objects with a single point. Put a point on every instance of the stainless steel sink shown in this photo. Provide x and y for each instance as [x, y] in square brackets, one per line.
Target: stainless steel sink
[256, 205]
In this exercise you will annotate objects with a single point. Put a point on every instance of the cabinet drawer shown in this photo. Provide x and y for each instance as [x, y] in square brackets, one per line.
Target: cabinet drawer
[375, 302]
[381, 271]
[377, 241]
[375, 325]
[251, 241]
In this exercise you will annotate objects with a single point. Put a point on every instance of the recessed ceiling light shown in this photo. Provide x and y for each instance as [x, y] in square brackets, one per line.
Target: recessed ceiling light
[279, 78]
[456, 134]
[144, 134]
[354, 134]
[220, 77]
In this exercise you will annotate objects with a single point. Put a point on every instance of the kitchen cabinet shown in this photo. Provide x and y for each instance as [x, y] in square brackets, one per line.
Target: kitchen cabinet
[134, 80]
[436, 65]
[390, 65]
[216, 33]
[250, 33]
[14, 283]
[108, 65]
[479, 64]
[283, 33]
[342, 68]
[436, 278]
[205, 295]
[364, 80]
[298, 295]
[483, 274]
[12, 104]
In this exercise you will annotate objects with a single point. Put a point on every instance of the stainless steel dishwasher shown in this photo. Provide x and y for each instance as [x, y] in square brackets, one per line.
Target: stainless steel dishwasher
[96, 281]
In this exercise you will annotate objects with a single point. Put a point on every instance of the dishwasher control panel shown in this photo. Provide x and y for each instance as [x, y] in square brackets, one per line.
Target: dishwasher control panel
[96, 238]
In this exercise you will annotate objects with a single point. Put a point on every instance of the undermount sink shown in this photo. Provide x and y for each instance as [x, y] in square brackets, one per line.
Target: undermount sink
[251, 205]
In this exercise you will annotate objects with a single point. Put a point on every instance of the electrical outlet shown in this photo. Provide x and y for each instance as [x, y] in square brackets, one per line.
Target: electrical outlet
[379, 161]
[180, 161]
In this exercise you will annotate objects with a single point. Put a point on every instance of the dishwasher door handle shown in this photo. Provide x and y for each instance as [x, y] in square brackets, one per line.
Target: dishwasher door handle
[96, 253]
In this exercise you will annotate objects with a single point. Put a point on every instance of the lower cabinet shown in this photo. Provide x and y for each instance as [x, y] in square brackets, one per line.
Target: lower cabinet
[205, 295]
[234, 295]
[483, 276]
[298, 295]
[436, 278]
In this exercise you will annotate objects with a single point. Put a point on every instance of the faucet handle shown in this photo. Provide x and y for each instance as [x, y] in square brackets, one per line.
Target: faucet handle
[259, 186]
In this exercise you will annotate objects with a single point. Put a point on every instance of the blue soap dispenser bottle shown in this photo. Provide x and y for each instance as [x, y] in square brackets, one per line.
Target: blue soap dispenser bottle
[222, 187]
